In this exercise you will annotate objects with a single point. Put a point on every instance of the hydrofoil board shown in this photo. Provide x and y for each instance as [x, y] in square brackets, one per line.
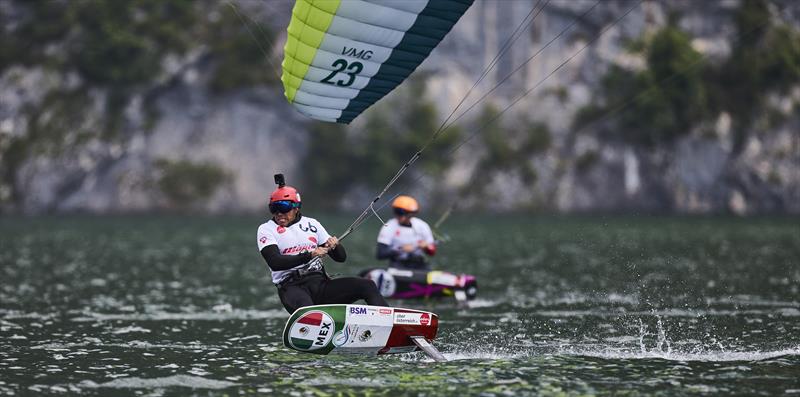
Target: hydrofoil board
[361, 329]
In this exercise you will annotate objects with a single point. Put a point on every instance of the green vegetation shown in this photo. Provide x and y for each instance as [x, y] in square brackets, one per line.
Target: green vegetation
[679, 91]
[330, 151]
[240, 47]
[586, 161]
[670, 96]
[118, 49]
[61, 127]
[508, 149]
[185, 183]
[394, 130]
[121, 44]
[110, 44]
[765, 60]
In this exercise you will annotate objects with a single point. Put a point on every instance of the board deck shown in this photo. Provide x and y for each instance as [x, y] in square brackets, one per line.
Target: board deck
[358, 329]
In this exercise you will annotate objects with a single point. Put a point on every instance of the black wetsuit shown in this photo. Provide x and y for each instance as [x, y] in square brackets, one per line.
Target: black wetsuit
[316, 288]
[401, 260]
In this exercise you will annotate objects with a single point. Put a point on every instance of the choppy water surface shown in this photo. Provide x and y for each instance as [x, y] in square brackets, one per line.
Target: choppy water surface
[175, 306]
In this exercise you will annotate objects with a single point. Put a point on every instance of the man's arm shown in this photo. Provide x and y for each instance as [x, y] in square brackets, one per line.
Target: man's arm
[384, 251]
[430, 249]
[338, 254]
[276, 261]
[429, 243]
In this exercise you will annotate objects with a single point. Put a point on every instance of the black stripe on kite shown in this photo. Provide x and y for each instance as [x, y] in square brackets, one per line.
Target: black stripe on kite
[430, 27]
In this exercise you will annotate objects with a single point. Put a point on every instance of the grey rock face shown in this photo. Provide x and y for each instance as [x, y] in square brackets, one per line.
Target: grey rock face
[252, 133]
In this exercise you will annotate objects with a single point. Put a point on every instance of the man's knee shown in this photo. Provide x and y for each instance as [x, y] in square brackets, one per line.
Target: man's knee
[293, 300]
[368, 286]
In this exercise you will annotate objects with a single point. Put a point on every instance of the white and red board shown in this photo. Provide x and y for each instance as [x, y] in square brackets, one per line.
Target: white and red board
[357, 329]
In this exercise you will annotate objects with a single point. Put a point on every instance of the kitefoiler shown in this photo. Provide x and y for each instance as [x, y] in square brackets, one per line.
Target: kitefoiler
[340, 58]
[361, 329]
[405, 241]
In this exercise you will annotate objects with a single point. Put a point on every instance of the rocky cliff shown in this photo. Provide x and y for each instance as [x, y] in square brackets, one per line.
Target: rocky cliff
[197, 133]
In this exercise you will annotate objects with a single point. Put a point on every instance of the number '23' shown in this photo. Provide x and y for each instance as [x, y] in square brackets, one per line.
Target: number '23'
[341, 65]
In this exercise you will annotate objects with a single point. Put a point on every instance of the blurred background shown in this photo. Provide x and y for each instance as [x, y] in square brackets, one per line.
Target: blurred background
[170, 105]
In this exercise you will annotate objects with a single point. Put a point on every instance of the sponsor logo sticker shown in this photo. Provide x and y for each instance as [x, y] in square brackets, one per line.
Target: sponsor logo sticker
[344, 336]
[358, 310]
[311, 331]
[424, 319]
[263, 240]
[281, 229]
[365, 336]
[384, 280]
[298, 248]
[385, 311]
[407, 318]
[312, 239]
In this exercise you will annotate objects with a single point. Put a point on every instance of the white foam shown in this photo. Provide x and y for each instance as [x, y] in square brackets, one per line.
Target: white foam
[457, 356]
[708, 356]
[480, 356]
[14, 314]
[203, 316]
[7, 325]
[127, 330]
[358, 382]
[137, 344]
[751, 300]
[789, 312]
[474, 304]
[194, 382]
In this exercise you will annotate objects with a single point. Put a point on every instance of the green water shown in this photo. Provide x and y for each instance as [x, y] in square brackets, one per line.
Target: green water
[567, 306]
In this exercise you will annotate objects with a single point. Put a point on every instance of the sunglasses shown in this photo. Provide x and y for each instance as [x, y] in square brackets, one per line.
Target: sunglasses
[282, 206]
[402, 212]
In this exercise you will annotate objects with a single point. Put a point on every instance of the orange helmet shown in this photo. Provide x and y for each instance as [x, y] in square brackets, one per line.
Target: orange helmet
[285, 193]
[405, 203]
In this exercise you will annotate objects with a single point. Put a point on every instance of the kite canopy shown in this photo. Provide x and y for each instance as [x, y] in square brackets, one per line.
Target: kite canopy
[341, 56]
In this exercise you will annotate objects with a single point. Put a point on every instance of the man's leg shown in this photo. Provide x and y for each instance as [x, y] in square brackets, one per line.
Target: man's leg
[351, 289]
[294, 297]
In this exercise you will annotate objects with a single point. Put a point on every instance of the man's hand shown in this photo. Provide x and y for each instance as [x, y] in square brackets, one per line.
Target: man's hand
[331, 243]
[319, 251]
[408, 247]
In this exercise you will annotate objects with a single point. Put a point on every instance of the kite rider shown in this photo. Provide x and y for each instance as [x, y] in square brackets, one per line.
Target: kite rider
[406, 239]
[293, 246]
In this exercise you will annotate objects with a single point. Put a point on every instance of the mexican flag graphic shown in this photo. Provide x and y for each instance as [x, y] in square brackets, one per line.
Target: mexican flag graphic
[312, 331]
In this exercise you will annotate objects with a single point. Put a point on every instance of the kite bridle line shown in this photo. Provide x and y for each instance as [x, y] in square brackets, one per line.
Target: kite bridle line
[512, 38]
[444, 126]
[544, 47]
[371, 207]
[617, 109]
[258, 42]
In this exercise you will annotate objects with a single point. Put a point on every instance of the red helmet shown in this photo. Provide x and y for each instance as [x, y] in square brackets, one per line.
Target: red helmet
[285, 193]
